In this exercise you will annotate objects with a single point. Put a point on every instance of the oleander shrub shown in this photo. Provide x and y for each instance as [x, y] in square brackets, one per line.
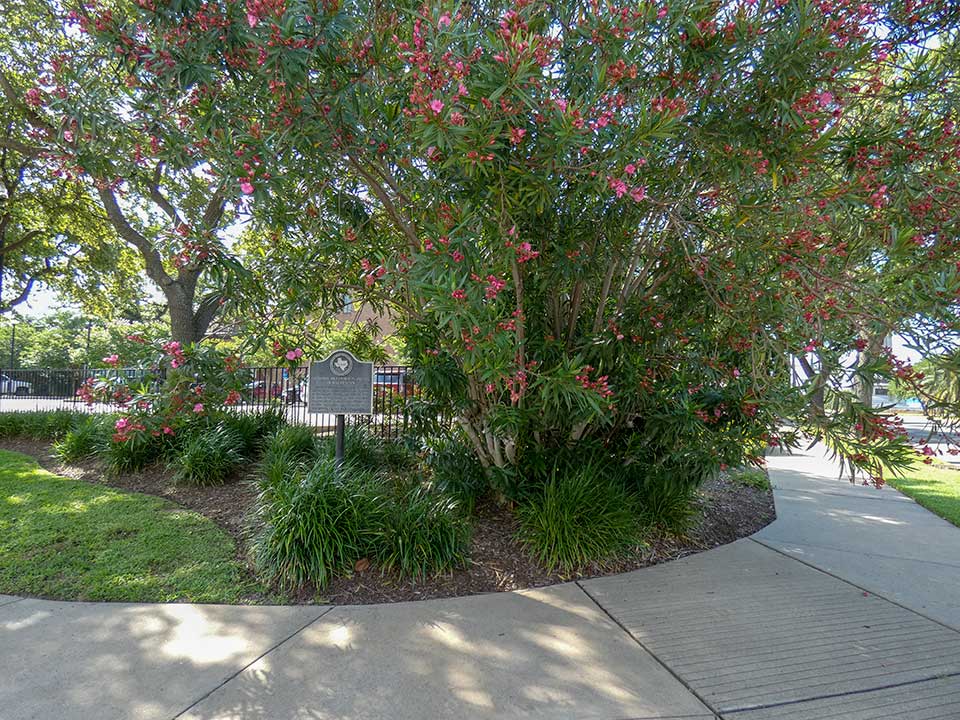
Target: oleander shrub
[425, 533]
[208, 457]
[89, 436]
[315, 524]
[581, 515]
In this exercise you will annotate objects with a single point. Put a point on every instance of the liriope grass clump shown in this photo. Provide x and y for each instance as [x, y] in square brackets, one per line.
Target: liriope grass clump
[425, 533]
[315, 524]
[316, 521]
[208, 456]
[38, 424]
[581, 515]
[456, 471]
[89, 436]
[135, 452]
[253, 428]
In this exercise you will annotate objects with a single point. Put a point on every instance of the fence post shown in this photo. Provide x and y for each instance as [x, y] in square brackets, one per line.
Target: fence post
[338, 442]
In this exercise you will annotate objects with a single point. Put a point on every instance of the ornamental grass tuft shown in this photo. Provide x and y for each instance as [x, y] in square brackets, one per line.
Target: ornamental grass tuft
[581, 516]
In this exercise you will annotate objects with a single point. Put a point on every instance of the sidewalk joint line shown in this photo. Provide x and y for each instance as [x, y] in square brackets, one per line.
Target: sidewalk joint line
[649, 652]
[955, 566]
[853, 584]
[831, 696]
[252, 662]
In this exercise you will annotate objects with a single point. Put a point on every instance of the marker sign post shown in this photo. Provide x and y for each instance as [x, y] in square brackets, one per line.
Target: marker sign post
[340, 385]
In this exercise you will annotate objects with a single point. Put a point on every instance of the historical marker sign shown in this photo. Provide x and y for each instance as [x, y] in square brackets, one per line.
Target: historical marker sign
[341, 384]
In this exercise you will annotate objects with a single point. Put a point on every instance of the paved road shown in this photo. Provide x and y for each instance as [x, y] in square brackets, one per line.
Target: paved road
[845, 607]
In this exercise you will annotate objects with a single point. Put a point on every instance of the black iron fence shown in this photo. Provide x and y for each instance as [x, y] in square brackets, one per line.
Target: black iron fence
[395, 394]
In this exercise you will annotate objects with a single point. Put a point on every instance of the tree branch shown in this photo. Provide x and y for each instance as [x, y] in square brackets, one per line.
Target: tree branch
[30, 151]
[206, 311]
[214, 210]
[151, 257]
[160, 199]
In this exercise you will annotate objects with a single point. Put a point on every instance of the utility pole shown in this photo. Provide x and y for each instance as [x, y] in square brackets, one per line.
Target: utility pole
[86, 351]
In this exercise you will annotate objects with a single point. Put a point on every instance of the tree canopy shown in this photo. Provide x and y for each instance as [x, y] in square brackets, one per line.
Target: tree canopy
[85, 125]
[606, 226]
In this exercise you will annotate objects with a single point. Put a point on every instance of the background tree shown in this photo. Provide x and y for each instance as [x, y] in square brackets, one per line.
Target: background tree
[86, 119]
[67, 339]
[51, 231]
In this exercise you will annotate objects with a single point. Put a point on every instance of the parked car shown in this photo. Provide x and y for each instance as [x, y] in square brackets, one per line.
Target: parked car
[9, 386]
[396, 380]
[261, 390]
[291, 392]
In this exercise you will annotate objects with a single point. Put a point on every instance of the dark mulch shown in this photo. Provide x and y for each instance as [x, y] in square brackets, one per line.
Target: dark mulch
[729, 510]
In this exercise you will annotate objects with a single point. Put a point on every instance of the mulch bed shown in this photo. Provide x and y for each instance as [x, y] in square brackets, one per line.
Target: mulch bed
[728, 511]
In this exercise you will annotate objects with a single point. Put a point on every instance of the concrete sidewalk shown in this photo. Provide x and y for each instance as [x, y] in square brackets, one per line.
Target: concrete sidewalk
[845, 607]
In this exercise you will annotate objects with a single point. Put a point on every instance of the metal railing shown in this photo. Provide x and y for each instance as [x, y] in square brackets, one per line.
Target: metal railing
[282, 389]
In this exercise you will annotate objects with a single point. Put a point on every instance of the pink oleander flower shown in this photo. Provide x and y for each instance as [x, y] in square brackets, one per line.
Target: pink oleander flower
[122, 424]
[198, 408]
[167, 430]
[294, 354]
[618, 186]
[517, 135]
[444, 21]
[638, 193]
[459, 294]
[436, 106]
[630, 169]
[246, 187]
[113, 360]
[34, 98]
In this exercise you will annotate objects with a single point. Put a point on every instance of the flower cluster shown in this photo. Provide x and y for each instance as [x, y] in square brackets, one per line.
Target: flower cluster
[599, 385]
[174, 350]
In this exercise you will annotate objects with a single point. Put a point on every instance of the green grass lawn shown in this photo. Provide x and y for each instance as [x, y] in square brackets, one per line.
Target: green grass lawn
[72, 540]
[937, 488]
